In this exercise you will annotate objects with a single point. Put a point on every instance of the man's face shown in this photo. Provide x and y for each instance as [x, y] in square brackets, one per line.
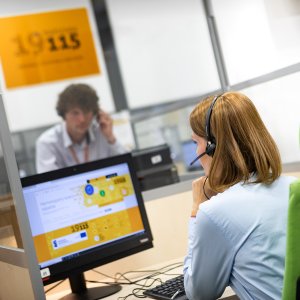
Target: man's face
[78, 122]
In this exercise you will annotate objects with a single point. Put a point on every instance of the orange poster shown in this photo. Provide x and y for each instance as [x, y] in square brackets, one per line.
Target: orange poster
[45, 47]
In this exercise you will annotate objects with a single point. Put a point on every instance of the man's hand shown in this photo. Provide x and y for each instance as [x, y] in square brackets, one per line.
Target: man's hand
[201, 190]
[106, 126]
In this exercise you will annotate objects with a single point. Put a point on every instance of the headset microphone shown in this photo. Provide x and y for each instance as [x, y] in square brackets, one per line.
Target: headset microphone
[209, 150]
[211, 143]
[198, 157]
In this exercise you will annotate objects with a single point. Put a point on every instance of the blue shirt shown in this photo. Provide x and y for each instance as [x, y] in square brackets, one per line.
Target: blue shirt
[238, 238]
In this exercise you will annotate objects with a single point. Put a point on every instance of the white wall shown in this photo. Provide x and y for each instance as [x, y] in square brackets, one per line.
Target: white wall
[279, 107]
[164, 50]
[258, 36]
[34, 106]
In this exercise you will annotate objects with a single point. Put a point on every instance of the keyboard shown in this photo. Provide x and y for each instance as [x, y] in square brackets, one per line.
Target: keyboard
[169, 290]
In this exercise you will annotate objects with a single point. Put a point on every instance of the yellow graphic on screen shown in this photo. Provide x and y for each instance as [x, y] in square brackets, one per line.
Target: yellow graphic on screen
[103, 191]
[47, 46]
[70, 239]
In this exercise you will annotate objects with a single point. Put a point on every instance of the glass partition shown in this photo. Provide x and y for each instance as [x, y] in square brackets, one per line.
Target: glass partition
[164, 50]
[47, 47]
[258, 36]
[173, 129]
[278, 104]
[31, 109]
[276, 101]
[9, 227]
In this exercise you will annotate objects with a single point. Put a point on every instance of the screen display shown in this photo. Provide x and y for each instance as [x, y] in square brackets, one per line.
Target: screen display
[189, 154]
[77, 214]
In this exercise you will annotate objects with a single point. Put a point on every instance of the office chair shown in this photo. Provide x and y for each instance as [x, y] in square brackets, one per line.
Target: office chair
[291, 282]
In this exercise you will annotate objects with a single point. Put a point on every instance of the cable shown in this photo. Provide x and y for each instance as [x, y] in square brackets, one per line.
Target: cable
[142, 286]
[143, 283]
[161, 271]
[176, 265]
[135, 293]
[154, 272]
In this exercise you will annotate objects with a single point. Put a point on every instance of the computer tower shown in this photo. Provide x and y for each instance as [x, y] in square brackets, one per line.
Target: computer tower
[155, 167]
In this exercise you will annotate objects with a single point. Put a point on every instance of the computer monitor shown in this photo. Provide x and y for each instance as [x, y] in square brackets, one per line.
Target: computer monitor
[189, 154]
[85, 216]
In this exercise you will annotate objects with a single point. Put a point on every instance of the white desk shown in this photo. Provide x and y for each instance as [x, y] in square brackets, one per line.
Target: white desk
[57, 293]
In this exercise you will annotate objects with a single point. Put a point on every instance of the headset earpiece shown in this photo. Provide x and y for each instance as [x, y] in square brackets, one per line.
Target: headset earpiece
[211, 142]
[210, 148]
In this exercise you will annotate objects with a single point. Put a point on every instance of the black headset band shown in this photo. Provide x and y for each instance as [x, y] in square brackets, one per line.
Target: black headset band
[208, 117]
[211, 143]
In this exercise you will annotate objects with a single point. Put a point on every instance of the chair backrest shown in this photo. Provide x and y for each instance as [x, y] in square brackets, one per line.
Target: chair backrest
[291, 285]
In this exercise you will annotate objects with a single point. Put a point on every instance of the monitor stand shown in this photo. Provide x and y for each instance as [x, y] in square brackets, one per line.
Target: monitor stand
[81, 292]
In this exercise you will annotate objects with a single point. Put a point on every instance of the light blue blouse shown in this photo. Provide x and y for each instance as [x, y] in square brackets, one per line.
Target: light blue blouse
[238, 239]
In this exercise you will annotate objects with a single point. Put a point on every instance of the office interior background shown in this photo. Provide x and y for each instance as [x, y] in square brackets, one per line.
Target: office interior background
[159, 58]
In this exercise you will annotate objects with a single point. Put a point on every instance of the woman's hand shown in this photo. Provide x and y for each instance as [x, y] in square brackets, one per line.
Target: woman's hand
[201, 193]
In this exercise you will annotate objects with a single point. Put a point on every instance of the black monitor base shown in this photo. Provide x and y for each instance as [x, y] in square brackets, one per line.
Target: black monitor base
[81, 292]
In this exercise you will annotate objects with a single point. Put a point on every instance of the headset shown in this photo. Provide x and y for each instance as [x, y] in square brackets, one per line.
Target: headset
[211, 142]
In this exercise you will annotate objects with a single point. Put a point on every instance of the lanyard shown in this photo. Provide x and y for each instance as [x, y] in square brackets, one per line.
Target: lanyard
[75, 157]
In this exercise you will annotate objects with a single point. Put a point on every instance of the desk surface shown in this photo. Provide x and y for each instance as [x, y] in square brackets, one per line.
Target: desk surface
[174, 266]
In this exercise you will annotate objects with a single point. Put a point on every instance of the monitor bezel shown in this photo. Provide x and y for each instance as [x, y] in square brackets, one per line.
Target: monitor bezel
[117, 249]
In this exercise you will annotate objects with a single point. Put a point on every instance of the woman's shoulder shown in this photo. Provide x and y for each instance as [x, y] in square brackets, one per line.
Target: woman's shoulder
[282, 183]
[224, 203]
[290, 177]
[248, 189]
[247, 197]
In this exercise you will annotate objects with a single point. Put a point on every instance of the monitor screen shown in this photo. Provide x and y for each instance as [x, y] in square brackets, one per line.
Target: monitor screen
[84, 216]
[189, 154]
